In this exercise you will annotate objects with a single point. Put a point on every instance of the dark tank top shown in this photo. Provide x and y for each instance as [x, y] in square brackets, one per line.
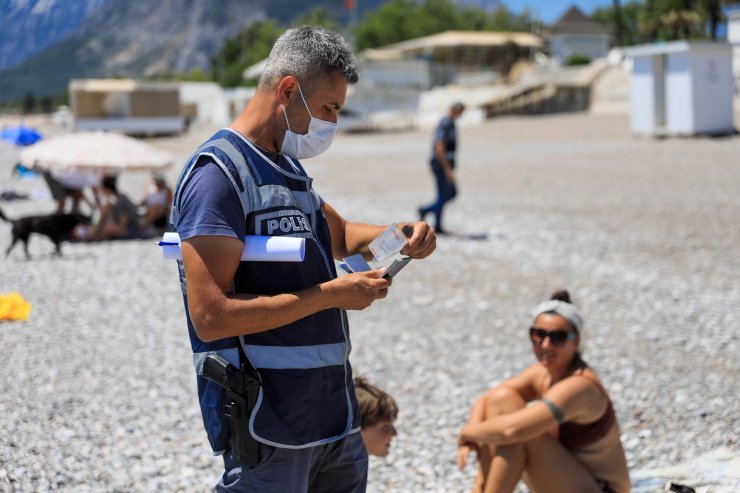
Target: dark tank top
[576, 436]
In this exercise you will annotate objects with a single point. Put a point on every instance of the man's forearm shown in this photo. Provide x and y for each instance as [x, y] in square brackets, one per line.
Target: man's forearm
[358, 236]
[236, 314]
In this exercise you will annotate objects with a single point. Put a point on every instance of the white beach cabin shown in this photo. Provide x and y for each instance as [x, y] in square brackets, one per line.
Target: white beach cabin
[126, 105]
[681, 88]
[733, 37]
[207, 104]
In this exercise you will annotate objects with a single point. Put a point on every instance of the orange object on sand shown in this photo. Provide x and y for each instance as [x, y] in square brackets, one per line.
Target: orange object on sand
[14, 307]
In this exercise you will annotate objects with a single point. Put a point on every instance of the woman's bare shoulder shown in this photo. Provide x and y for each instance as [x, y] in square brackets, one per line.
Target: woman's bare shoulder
[527, 382]
[587, 374]
[581, 394]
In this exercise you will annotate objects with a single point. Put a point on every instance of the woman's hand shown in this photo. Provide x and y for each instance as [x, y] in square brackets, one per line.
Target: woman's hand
[463, 453]
[465, 446]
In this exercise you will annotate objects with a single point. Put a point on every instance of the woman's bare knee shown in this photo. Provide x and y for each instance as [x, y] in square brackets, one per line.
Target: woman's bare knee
[502, 400]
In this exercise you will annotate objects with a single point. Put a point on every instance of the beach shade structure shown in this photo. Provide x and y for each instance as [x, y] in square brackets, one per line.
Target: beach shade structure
[20, 136]
[96, 151]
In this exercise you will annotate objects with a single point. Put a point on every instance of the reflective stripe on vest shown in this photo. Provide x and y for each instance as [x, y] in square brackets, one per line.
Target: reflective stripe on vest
[296, 357]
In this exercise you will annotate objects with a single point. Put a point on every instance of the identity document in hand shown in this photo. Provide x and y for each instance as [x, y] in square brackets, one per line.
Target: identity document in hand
[388, 243]
[356, 263]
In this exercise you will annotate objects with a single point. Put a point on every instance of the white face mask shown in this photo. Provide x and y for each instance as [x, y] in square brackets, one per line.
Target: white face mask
[318, 138]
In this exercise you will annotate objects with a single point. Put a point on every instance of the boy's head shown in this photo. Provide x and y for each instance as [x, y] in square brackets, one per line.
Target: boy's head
[378, 411]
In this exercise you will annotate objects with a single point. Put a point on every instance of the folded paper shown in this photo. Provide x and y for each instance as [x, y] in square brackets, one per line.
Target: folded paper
[256, 248]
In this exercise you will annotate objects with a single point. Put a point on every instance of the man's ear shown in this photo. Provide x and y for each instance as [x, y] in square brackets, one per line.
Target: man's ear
[286, 89]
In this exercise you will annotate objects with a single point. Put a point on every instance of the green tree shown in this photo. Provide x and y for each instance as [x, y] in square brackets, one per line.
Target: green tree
[577, 59]
[194, 75]
[61, 98]
[631, 14]
[503, 20]
[713, 11]
[46, 104]
[388, 24]
[672, 19]
[317, 16]
[247, 48]
[28, 104]
[399, 20]
[654, 20]
[618, 23]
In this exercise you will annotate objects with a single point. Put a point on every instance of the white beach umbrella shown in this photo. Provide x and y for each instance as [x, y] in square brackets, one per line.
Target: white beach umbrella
[96, 151]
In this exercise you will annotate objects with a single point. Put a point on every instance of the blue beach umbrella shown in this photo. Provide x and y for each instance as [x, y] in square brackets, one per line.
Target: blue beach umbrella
[20, 136]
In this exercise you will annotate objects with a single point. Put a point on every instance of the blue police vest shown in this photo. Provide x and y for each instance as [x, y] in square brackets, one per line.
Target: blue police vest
[307, 395]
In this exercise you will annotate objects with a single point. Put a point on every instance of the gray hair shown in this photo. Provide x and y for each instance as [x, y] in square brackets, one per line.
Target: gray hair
[308, 53]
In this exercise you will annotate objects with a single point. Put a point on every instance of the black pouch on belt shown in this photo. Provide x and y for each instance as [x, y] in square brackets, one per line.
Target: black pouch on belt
[242, 387]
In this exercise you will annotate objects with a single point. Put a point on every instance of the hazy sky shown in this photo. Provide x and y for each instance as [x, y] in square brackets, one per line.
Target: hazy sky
[550, 10]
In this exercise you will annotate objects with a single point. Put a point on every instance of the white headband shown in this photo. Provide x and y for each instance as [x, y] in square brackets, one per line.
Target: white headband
[565, 310]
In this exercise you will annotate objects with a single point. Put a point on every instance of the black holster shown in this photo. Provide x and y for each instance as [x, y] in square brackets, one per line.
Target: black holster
[242, 387]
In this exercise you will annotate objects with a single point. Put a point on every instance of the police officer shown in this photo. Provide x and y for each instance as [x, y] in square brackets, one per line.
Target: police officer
[443, 165]
[286, 320]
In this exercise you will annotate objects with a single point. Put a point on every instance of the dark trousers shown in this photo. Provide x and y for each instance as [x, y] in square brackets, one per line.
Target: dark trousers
[446, 191]
[336, 467]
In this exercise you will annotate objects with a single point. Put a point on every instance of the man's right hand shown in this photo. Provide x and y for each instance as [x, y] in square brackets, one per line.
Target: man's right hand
[359, 290]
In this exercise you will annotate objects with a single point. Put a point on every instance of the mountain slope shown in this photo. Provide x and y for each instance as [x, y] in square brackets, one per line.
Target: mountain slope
[285, 11]
[134, 39]
[125, 38]
[29, 26]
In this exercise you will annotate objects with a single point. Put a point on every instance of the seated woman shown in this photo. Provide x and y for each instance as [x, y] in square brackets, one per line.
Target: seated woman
[118, 216]
[553, 424]
[157, 202]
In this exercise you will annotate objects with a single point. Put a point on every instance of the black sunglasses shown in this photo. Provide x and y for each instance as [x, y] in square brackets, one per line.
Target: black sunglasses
[557, 337]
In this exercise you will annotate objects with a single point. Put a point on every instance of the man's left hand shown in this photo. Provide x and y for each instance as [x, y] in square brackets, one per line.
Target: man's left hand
[422, 240]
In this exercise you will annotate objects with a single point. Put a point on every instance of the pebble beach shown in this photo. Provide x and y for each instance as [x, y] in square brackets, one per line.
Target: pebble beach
[98, 389]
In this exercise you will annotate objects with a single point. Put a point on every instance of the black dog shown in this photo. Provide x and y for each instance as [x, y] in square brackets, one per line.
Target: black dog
[56, 226]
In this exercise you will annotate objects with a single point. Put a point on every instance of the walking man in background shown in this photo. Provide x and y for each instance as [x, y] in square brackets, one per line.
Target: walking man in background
[282, 323]
[443, 165]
